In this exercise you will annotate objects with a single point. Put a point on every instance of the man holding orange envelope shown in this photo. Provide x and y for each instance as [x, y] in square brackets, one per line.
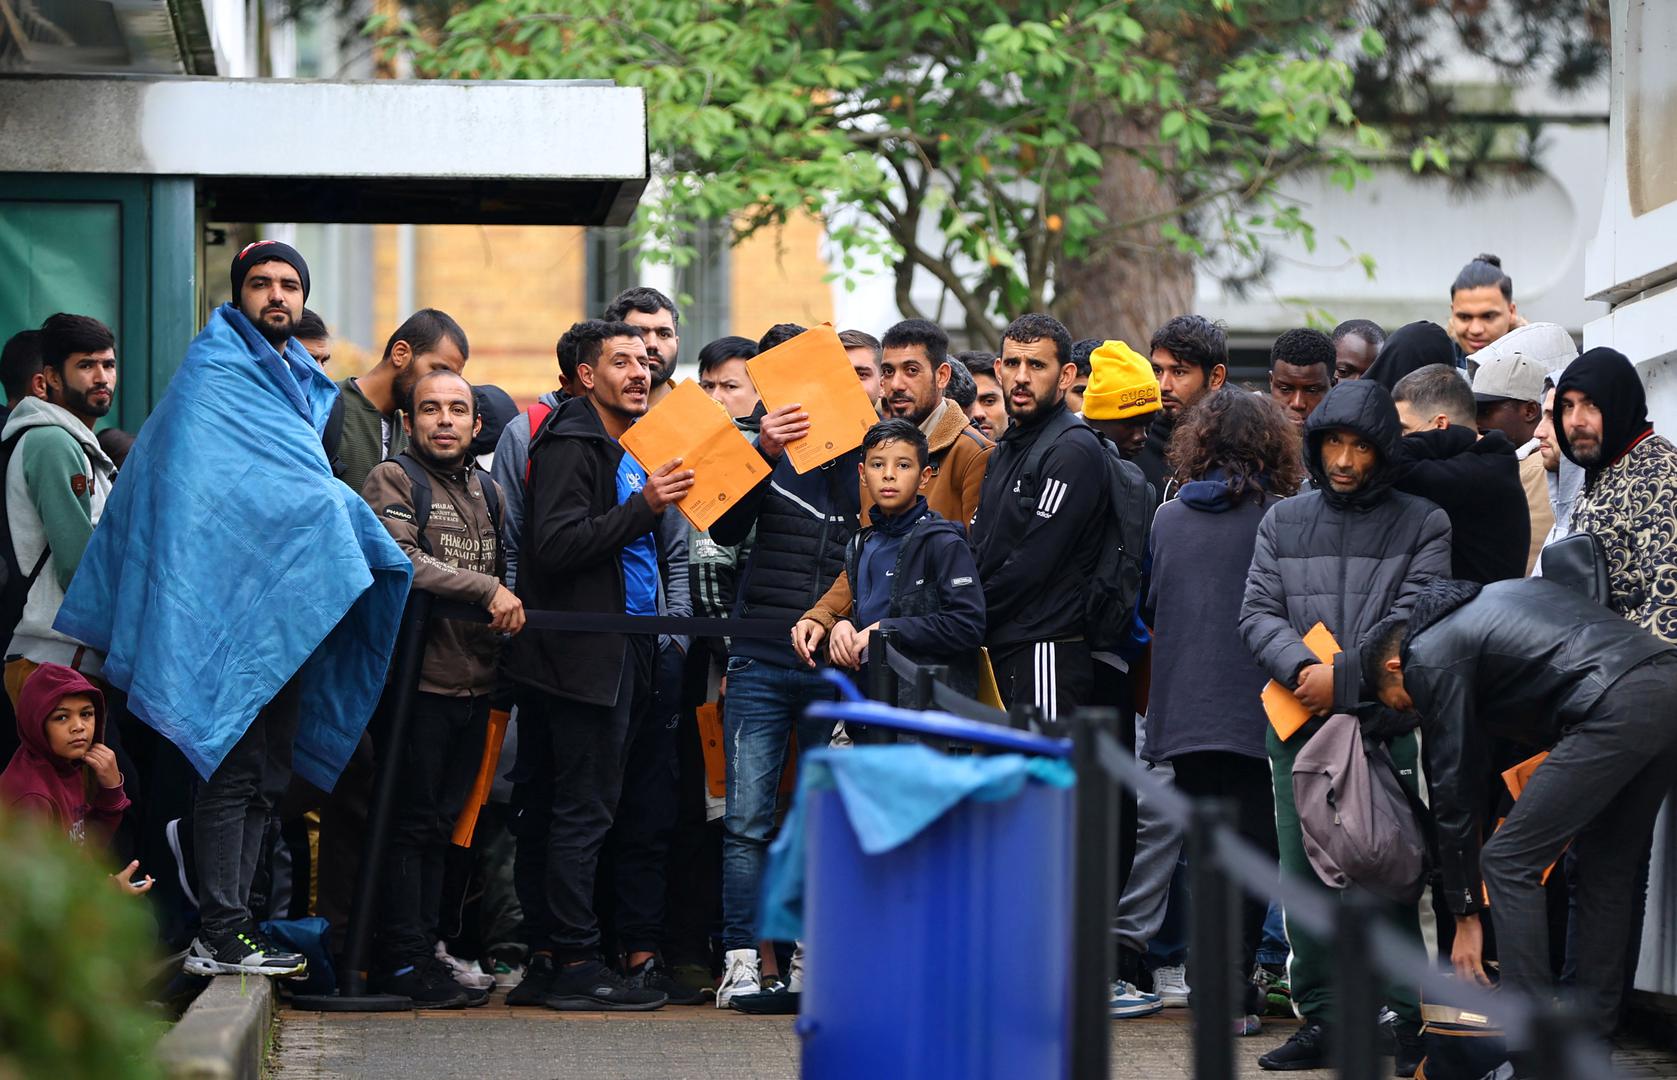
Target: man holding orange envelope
[590, 544]
[1330, 564]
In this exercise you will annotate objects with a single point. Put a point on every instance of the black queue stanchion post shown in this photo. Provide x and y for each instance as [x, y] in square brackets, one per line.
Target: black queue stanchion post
[882, 680]
[352, 993]
[1212, 940]
[1358, 999]
[1094, 897]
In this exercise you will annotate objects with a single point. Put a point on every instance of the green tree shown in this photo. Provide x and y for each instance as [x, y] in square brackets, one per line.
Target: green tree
[1074, 156]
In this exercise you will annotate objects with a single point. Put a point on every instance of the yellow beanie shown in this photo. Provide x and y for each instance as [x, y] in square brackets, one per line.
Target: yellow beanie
[1121, 384]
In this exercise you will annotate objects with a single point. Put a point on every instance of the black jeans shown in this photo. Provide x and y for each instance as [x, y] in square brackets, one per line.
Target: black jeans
[437, 762]
[1245, 781]
[1055, 676]
[571, 763]
[638, 847]
[230, 818]
[1601, 787]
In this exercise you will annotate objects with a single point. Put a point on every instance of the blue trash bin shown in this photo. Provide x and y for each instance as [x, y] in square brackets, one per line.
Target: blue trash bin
[947, 956]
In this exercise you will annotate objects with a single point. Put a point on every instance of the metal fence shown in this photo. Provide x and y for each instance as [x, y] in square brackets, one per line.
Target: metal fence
[1221, 865]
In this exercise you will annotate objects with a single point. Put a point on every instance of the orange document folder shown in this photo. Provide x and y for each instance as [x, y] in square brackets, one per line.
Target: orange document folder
[1286, 713]
[466, 824]
[689, 425]
[812, 370]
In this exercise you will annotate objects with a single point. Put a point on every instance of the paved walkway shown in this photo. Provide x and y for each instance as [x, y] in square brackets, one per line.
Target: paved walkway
[700, 1043]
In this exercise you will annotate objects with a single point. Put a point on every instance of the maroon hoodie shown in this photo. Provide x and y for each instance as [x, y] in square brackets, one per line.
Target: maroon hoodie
[39, 781]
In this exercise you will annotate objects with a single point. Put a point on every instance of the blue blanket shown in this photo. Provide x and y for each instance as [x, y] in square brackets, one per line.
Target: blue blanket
[229, 559]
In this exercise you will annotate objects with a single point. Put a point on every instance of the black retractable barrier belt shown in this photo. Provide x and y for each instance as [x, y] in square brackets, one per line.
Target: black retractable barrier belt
[591, 622]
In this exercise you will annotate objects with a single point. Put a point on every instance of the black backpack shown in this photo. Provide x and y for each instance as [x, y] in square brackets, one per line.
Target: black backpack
[1111, 592]
[15, 580]
[421, 482]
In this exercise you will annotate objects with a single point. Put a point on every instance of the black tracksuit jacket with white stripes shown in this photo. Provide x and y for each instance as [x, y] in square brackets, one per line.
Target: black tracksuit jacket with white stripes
[1037, 549]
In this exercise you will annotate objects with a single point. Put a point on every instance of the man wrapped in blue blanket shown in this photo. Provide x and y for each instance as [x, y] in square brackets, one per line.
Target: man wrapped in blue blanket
[246, 600]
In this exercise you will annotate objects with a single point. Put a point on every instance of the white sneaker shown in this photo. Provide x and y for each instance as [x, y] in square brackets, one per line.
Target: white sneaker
[795, 976]
[1128, 1002]
[739, 976]
[1171, 984]
[467, 973]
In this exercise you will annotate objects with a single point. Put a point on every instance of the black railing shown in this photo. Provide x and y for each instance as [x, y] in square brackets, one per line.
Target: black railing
[1222, 865]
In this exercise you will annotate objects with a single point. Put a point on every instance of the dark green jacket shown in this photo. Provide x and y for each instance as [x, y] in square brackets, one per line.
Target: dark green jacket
[362, 445]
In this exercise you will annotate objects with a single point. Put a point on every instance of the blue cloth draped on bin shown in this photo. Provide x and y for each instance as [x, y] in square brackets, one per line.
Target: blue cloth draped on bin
[229, 559]
[891, 794]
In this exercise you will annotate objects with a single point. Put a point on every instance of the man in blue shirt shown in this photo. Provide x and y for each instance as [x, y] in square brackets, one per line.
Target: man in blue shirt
[589, 545]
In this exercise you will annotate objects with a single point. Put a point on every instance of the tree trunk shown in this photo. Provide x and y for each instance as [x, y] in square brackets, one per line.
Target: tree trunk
[1135, 280]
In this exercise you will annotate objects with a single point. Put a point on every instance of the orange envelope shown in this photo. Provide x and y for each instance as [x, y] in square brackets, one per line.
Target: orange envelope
[1286, 714]
[466, 824]
[689, 425]
[812, 370]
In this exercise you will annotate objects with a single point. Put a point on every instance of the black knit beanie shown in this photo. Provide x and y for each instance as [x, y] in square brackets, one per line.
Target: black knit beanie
[264, 251]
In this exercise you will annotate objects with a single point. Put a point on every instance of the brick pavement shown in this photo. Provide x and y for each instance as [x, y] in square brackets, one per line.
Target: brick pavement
[674, 1044]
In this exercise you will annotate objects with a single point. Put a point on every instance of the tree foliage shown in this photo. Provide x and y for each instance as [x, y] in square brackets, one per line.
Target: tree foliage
[968, 140]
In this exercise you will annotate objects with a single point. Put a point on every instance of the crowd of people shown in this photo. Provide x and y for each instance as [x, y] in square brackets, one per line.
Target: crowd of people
[199, 644]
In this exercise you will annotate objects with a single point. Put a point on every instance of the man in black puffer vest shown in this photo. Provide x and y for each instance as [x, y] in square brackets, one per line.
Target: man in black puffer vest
[803, 523]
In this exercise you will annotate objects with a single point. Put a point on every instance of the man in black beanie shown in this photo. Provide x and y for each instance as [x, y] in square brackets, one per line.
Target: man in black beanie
[270, 284]
[1630, 484]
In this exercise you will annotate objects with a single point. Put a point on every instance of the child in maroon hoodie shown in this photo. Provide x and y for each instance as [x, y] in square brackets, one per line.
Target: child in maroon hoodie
[62, 769]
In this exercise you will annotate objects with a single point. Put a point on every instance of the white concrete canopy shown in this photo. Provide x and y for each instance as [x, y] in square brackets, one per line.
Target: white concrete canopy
[377, 151]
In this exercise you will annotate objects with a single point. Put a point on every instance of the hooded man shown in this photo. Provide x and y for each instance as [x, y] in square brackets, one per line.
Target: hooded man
[1475, 478]
[1508, 389]
[1411, 348]
[1537, 663]
[1345, 555]
[1630, 484]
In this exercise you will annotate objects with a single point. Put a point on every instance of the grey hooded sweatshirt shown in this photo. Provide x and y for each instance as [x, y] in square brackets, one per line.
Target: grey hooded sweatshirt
[56, 486]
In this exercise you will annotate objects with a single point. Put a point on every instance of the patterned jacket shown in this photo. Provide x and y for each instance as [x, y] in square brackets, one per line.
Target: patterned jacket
[1629, 506]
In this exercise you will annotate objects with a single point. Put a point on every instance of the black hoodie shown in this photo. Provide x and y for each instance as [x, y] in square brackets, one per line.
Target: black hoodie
[575, 531]
[1411, 348]
[1477, 482]
[1344, 560]
[1609, 379]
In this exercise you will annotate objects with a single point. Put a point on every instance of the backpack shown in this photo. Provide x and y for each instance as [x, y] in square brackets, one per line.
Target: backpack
[15, 582]
[539, 412]
[421, 482]
[1360, 826]
[1109, 596]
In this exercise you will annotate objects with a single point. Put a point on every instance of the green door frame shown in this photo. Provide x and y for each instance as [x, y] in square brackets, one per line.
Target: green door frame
[158, 282]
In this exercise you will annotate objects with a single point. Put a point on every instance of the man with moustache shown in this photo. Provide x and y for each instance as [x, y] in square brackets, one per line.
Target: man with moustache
[455, 546]
[989, 409]
[428, 340]
[590, 544]
[56, 485]
[659, 321]
[1630, 484]
[1190, 356]
[1038, 538]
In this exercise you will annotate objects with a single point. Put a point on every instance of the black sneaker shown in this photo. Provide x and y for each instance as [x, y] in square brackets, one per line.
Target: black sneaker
[1410, 1050]
[593, 987]
[241, 953]
[654, 976]
[422, 985]
[438, 971]
[532, 989]
[1306, 1049]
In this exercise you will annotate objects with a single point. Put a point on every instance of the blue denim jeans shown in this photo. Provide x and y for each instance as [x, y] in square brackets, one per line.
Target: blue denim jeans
[764, 705]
